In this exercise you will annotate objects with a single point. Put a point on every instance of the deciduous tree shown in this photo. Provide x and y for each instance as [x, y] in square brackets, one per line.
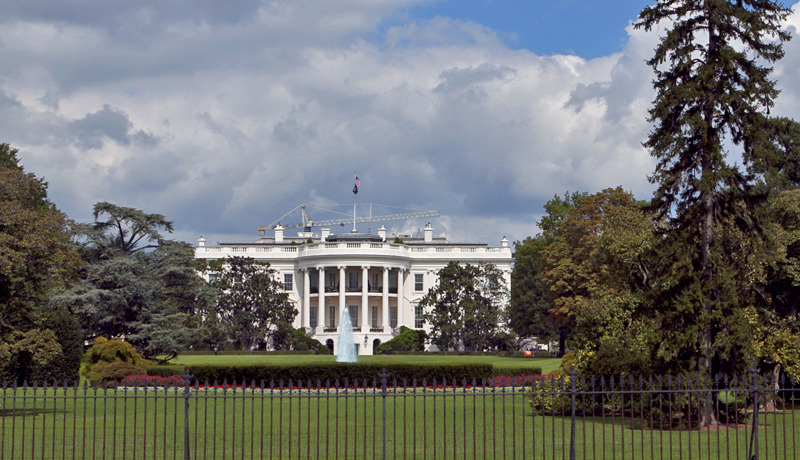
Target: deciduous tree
[531, 313]
[597, 272]
[252, 304]
[36, 259]
[466, 307]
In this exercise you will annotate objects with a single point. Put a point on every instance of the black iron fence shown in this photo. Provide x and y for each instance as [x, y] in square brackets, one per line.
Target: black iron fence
[685, 417]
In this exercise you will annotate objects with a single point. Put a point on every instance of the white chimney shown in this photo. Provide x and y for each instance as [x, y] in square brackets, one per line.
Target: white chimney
[428, 233]
[382, 233]
[201, 242]
[325, 233]
[279, 233]
[504, 242]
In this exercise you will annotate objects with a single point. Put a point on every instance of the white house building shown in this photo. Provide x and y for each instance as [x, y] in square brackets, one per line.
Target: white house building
[378, 280]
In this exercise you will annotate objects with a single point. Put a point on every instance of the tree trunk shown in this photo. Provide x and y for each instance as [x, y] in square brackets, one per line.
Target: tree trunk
[771, 404]
[708, 181]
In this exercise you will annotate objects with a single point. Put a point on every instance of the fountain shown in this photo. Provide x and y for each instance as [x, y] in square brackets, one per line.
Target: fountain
[347, 347]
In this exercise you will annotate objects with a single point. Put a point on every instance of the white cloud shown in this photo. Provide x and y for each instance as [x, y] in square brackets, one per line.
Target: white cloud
[224, 120]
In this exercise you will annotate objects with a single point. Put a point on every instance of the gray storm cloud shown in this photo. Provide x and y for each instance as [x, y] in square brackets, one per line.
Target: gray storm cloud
[225, 115]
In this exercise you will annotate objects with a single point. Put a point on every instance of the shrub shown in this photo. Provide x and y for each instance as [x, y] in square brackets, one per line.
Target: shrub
[298, 340]
[67, 328]
[105, 352]
[407, 340]
[551, 396]
[119, 370]
[165, 370]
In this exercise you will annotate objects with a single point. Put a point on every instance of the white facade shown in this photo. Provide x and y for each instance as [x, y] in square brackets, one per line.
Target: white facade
[380, 282]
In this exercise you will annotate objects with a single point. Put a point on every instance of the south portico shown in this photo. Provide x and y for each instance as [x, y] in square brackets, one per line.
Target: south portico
[373, 294]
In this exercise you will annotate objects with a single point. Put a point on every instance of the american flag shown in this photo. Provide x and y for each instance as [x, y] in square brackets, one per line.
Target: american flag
[358, 182]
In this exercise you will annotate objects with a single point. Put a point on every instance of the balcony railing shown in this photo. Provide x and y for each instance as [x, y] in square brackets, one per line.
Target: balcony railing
[286, 251]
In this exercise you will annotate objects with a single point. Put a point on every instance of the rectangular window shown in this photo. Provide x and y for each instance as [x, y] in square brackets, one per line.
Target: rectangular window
[212, 277]
[393, 317]
[419, 284]
[331, 317]
[393, 282]
[354, 315]
[376, 286]
[418, 321]
[313, 281]
[374, 316]
[287, 281]
[353, 280]
[313, 320]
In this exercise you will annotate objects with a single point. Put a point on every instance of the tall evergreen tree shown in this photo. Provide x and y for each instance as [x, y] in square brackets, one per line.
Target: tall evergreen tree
[136, 284]
[712, 90]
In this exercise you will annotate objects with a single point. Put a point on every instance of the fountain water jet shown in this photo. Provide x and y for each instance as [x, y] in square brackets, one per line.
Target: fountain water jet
[347, 346]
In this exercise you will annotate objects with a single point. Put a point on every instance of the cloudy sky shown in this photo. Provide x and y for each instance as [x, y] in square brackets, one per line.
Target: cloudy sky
[225, 115]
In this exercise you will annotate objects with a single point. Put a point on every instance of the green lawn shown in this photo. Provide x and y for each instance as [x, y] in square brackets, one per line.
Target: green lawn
[546, 364]
[245, 425]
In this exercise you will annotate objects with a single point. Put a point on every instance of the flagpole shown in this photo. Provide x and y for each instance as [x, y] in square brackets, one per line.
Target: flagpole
[354, 205]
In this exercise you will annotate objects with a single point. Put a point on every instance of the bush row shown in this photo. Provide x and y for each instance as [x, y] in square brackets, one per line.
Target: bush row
[512, 371]
[252, 352]
[166, 370]
[327, 372]
[501, 354]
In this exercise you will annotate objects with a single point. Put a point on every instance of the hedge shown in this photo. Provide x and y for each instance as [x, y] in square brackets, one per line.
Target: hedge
[166, 370]
[328, 372]
[333, 371]
[252, 352]
[510, 371]
[500, 354]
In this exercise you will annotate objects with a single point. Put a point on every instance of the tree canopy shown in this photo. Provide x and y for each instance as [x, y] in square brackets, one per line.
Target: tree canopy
[136, 284]
[36, 260]
[712, 90]
[531, 312]
[252, 304]
[466, 307]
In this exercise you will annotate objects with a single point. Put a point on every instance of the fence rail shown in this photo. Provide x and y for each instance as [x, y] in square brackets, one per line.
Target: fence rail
[693, 417]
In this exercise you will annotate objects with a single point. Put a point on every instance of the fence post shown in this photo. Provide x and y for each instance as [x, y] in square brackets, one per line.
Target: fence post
[187, 382]
[384, 376]
[754, 431]
[573, 391]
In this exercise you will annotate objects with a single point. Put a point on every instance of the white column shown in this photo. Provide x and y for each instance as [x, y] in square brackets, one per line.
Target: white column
[321, 305]
[306, 299]
[341, 296]
[402, 296]
[385, 319]
[365, 323]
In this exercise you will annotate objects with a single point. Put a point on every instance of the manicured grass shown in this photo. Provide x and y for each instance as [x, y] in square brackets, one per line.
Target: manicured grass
[247, 425]
[546, 364]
